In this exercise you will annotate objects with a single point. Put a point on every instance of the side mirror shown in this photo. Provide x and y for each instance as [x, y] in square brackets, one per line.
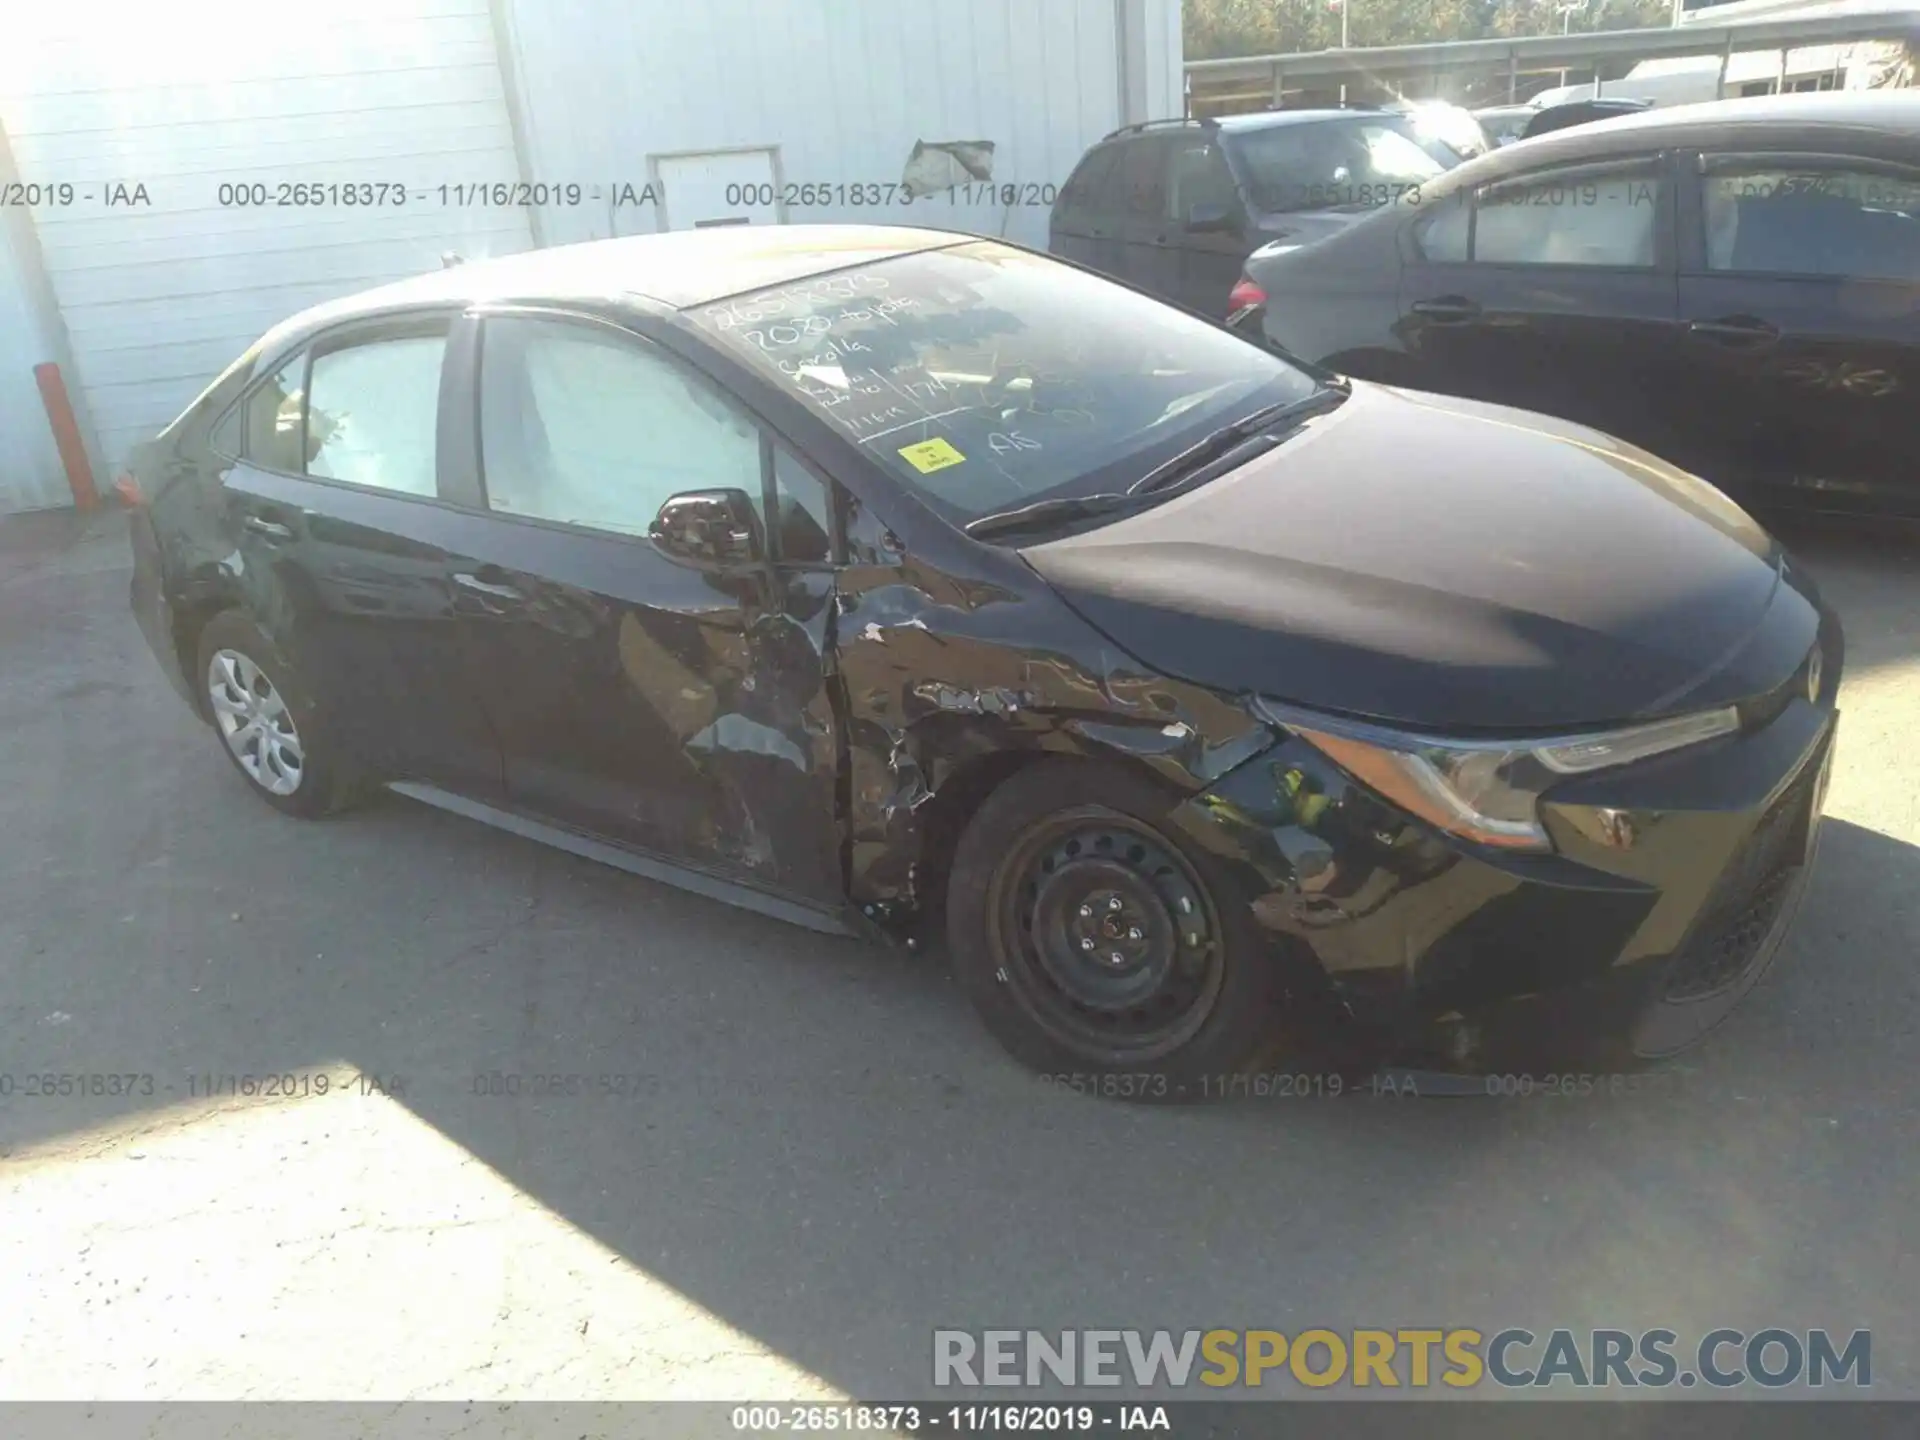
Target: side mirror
[709, 529]
[1209, 218]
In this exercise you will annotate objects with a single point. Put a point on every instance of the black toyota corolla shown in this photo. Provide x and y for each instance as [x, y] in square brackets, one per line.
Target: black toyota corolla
[887, 580]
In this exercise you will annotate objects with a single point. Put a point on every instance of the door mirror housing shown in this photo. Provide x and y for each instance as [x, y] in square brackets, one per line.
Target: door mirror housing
[1209, 217]
[709, 529]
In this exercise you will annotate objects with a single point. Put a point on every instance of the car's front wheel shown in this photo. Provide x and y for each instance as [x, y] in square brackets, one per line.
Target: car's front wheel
[1097, 946]
[266, 720]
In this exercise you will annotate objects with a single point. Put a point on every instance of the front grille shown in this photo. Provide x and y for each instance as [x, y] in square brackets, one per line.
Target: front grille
[1748, 900]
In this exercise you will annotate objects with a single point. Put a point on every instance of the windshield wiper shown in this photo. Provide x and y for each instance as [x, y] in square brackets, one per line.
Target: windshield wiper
[1228, 437]
[1044, 514]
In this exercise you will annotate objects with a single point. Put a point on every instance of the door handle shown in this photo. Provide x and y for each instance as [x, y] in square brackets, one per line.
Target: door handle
[1447, 310]
[1735, 330]
[272, 529]
[474, 583]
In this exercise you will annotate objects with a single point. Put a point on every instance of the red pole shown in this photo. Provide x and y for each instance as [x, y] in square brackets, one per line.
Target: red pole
[66, 435]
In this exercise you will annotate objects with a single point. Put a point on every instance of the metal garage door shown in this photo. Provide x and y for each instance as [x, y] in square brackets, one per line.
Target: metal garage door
[162, 275]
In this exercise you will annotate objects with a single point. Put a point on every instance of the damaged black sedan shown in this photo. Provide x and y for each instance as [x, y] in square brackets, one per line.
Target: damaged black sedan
[895, 581]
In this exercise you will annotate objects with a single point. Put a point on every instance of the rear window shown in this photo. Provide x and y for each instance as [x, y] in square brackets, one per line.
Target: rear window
[1332, 164]
[986, 378]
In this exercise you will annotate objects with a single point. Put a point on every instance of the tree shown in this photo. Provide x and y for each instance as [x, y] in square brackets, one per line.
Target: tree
[1216, 29]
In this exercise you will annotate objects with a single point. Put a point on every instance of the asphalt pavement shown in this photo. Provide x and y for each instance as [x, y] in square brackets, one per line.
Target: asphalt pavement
[790, 1158]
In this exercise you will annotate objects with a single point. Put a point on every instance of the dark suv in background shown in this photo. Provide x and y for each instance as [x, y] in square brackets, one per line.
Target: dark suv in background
[1174, 207]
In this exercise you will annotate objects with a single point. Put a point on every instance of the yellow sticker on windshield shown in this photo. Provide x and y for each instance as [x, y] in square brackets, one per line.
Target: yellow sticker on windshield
[931, 455]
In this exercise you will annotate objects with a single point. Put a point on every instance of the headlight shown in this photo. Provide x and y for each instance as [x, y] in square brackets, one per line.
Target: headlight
[1486, 791]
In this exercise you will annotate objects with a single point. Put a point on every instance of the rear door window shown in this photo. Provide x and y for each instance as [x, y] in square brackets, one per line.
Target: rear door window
[1143, 177]
[1089, 191]
[1199, 179]
[1587, 217]
[373, 413]
[1593, 215]
[1810, 216]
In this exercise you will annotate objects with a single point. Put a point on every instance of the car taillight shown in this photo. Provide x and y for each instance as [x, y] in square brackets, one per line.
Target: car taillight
[1245, 294]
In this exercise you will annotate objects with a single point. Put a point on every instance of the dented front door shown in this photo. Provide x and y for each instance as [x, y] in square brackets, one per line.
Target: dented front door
[676, 710]
[681, 713]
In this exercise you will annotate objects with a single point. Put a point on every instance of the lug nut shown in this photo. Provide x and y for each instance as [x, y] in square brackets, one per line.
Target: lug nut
[1086, 912]
[1117, 958]
[1133, 932]
[1114, 903]
[1087, 944]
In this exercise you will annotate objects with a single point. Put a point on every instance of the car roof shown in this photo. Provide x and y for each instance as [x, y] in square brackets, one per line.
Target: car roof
[675, 268]
[1271, 119]
[1595, 102]
[1896, 111]
[1851, 121]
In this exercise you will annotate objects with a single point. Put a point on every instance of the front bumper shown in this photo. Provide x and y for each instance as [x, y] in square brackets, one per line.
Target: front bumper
[1671, 886]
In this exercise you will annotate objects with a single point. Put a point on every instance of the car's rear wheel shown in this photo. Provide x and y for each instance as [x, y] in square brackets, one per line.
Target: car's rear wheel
[265, 719]
[1097, 946]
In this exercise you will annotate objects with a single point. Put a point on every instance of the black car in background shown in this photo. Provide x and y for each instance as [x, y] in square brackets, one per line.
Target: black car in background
[1506, 124]
[1734, 286]
[889, 580]
[1569, 113]
[1174, 207]
[1503, 124]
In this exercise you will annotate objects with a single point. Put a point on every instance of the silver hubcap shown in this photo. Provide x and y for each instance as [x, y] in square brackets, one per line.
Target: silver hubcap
[255, 722]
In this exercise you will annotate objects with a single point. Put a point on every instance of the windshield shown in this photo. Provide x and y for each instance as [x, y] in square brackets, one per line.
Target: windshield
[1325, 163]
[987, 378]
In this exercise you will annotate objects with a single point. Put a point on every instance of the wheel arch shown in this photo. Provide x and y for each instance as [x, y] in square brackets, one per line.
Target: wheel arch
[934, 784]
[194, 609]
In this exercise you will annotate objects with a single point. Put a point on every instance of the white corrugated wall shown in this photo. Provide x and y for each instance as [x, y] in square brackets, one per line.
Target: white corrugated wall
[843, 88]
[158, 297]
[31, 476]
[149, 301]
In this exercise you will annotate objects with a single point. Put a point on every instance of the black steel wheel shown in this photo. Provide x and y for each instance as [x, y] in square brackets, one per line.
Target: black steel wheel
[1099, 947]
[1108, 938]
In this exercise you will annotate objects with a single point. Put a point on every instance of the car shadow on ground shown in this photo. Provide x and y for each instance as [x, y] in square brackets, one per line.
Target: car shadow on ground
[813, 1139]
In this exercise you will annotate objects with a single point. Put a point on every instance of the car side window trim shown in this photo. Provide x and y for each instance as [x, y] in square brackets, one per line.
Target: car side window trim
[269, 372]
[474, 493]
[342, 335]
[1693, 260]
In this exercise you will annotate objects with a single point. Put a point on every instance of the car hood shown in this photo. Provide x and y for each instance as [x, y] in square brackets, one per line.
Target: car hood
[1452, 566]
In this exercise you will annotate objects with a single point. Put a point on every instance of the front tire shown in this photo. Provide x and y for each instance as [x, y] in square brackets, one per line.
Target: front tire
[1098, 947]
[265, 719]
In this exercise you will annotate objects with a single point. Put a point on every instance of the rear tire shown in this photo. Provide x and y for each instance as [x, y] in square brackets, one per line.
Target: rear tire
[1098, 947]
[266, 721]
